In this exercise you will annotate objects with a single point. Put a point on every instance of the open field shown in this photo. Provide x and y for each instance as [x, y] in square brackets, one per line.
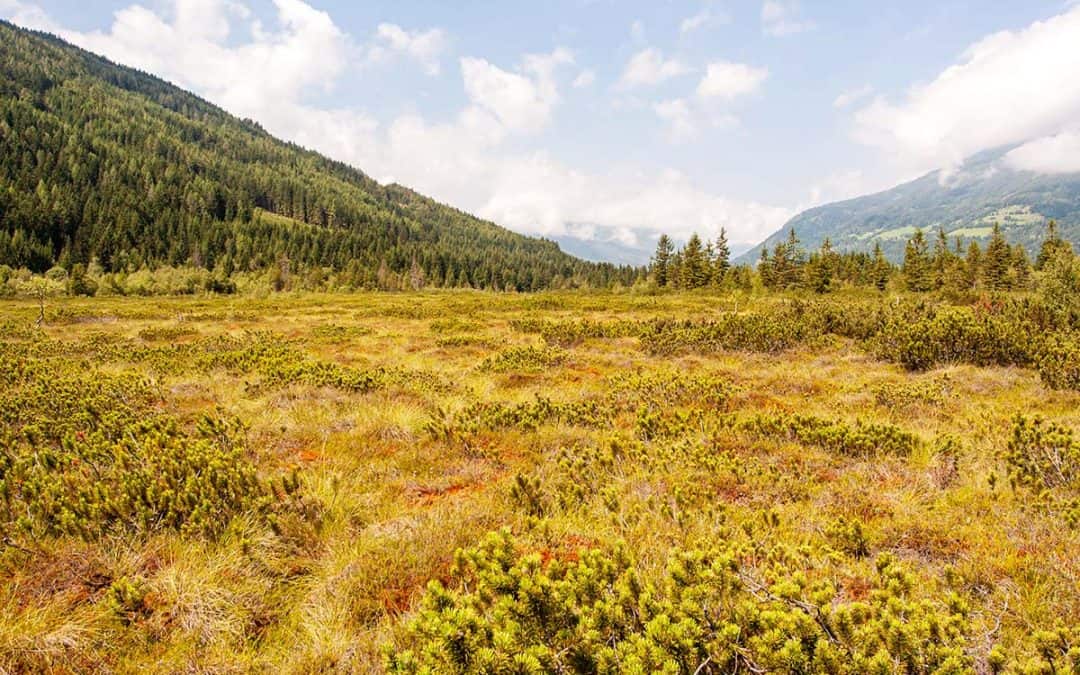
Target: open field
[269, 485]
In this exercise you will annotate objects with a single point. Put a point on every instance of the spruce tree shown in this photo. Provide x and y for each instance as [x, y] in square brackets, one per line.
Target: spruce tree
[1051, 245]
[765, 269]
[661, 262]
[821, 268]
[881, 269]
[1021, 265]
[723, 256]
[695, 264]
[973, 265]
[916, 268]
[995, 271]
[942, 258]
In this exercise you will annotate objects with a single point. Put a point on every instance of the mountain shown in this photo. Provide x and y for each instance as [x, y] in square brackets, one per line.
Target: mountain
[965, 202]
[100, 162]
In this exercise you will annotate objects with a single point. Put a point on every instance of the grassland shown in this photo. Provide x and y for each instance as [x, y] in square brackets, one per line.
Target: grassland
[377, 474]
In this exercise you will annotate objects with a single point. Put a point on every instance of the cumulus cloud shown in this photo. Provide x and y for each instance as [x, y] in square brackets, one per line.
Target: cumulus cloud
[852, 96]
[837, 186]
[28, 15]
[784, 17]
[679, 116]
[304, 51]
[727, 80]
[1009, 87]
[425, 47]
[585, 78]
[1059, 153]
[464, 161]
[703, 18]
[650, 67]
[520, 101]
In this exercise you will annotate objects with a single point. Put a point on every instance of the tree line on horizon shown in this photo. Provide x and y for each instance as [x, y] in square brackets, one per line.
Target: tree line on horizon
[950, 268]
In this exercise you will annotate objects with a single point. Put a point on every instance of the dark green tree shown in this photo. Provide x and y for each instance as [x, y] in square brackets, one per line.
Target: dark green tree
[973, 265]
[661, 261]
[882, 270]
[1052, 243]
[996, 263]
[723, 257]
[695, 268]
[917, 271]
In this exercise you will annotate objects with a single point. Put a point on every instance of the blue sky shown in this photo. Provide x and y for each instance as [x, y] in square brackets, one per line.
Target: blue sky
[602, 119]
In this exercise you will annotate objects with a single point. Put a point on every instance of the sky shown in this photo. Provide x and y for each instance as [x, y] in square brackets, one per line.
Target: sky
[620, 119]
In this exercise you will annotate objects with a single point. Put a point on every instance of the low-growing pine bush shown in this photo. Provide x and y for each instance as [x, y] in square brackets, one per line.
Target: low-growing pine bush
[509, 610]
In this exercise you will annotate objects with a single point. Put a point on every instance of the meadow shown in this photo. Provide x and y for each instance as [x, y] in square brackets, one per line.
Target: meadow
[464, 481]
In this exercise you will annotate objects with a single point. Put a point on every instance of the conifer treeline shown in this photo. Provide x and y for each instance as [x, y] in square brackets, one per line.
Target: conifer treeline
[105, 166]
[949, 268]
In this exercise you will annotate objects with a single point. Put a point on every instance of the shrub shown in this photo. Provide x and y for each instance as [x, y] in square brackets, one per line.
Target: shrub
[1059, 362]
[1043, 455]
[861, 439]
[764, 332]
[956, 336]
[508, 611]
[530, 359]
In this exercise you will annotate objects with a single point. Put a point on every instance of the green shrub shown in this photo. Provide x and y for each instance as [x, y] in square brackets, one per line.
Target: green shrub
[861, 439]
[956, 336]
[1059, 362]
[530, 359]
[1043, 455]
[593, 612]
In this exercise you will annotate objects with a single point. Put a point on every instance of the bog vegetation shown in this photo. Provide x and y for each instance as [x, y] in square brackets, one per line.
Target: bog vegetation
[755, 477]
[824, 463]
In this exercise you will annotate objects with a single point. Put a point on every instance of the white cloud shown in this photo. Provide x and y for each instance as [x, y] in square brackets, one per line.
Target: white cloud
[520, 101]
[784, 17]
[585, 78]
[425, 47]
[852, 96]
[726, 80]
[649, 67]
[678, 115]
[702, 19]
[1050, 154]
[464, 161]
[837, 186]
[28, 15]
[304, 51]
[1009, 87]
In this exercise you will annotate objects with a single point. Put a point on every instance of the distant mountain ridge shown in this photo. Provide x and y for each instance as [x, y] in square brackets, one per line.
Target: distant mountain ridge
[106, 164]
[965, 202]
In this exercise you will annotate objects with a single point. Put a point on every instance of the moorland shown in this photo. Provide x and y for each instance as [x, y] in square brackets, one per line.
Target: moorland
[467, 481]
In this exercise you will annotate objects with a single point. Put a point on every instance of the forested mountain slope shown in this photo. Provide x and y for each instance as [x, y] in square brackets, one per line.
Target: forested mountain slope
[102, 162]
[965, 203]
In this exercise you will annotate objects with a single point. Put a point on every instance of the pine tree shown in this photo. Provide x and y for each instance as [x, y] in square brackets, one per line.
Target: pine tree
[723, 257]
[973, 265]
[1051, 245]
[765, 269]
[788, 262]
[916, 269]
[881, 269]
[661, 262]
[942, 258]
[1021, 265]
[695, 265]
[821, 268]
[995, 271]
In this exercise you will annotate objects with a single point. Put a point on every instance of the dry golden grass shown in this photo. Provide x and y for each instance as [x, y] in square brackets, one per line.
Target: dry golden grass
[393, 501]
